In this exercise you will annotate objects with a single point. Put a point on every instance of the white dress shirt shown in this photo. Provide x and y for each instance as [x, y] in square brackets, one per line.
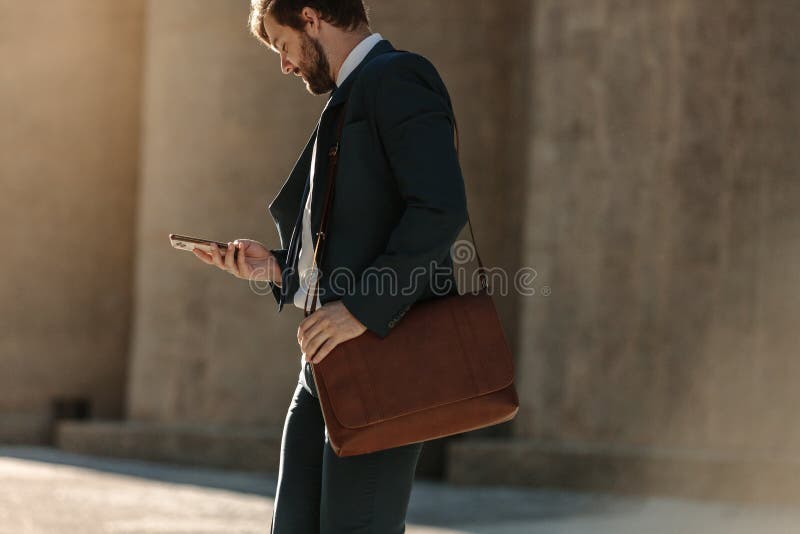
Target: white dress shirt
[353, 59]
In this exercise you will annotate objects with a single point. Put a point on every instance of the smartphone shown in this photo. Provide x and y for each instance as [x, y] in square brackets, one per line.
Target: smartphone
[189, 243]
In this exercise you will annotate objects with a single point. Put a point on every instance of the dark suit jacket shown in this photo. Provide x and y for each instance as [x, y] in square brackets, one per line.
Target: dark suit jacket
[399, 199]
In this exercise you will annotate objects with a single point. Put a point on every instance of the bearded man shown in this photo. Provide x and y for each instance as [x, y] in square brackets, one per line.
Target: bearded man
[398, 207]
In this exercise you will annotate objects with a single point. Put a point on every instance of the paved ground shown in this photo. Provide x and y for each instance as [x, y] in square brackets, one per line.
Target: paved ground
[44, 490]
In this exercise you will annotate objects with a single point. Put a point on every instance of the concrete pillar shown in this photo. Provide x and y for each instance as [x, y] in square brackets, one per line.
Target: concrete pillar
[222, 128]
[662, 211]
[69, 144]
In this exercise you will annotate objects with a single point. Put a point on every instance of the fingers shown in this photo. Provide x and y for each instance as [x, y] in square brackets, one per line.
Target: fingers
[230, 266]
[234, 260]
[216, 257]
[256, 262]
[246, 242]
[325, 349]
[203, 256]
[223, 262]
[310, 337]
[314, 341]
[241, 265]
[304, 328]
[319, 333]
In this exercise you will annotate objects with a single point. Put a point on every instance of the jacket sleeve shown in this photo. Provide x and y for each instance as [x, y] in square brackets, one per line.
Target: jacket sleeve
[414, 120]
[280, 257]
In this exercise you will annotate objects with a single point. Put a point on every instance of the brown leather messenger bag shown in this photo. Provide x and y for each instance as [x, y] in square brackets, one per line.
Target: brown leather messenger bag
[444, 369]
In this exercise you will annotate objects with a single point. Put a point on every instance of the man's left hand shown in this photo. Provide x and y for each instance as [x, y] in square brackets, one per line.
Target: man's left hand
[328, 326]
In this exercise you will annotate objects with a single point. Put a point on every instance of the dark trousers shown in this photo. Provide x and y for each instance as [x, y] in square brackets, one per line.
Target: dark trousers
[320, 493]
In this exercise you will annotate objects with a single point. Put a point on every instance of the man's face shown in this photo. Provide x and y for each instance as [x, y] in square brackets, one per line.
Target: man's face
[302, 55]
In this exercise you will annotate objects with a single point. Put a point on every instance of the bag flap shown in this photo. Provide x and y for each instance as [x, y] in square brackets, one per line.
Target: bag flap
[444, 350]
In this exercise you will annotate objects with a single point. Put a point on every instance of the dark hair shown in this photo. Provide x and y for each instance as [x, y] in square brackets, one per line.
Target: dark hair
[346, 14]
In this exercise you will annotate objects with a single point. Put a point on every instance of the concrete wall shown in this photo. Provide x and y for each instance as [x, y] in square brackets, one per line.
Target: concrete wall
[69, 114]
[639, 155]
[663, 210]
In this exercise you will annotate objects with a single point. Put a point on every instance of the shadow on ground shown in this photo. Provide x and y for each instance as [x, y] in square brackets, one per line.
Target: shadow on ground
[432, 503]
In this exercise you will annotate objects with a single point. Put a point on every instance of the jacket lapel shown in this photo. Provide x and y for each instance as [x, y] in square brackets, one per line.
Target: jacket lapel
[327, 134]
[286, 203]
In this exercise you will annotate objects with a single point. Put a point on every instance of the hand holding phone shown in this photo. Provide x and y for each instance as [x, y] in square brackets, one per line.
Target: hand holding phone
[250, 259]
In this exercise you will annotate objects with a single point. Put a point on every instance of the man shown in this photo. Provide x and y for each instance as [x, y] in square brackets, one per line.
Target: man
[398, 206]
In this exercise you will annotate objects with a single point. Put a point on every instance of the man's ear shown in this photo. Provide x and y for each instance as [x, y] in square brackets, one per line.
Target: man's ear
[311, 20]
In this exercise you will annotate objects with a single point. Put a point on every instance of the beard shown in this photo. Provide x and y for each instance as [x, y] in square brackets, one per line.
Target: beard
[315, 67]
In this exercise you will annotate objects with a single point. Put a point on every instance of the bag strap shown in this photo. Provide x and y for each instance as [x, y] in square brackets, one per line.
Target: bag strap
[333, 157]
[481, 270]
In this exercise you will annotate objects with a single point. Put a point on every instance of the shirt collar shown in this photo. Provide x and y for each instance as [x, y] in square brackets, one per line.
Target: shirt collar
[356, 56]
